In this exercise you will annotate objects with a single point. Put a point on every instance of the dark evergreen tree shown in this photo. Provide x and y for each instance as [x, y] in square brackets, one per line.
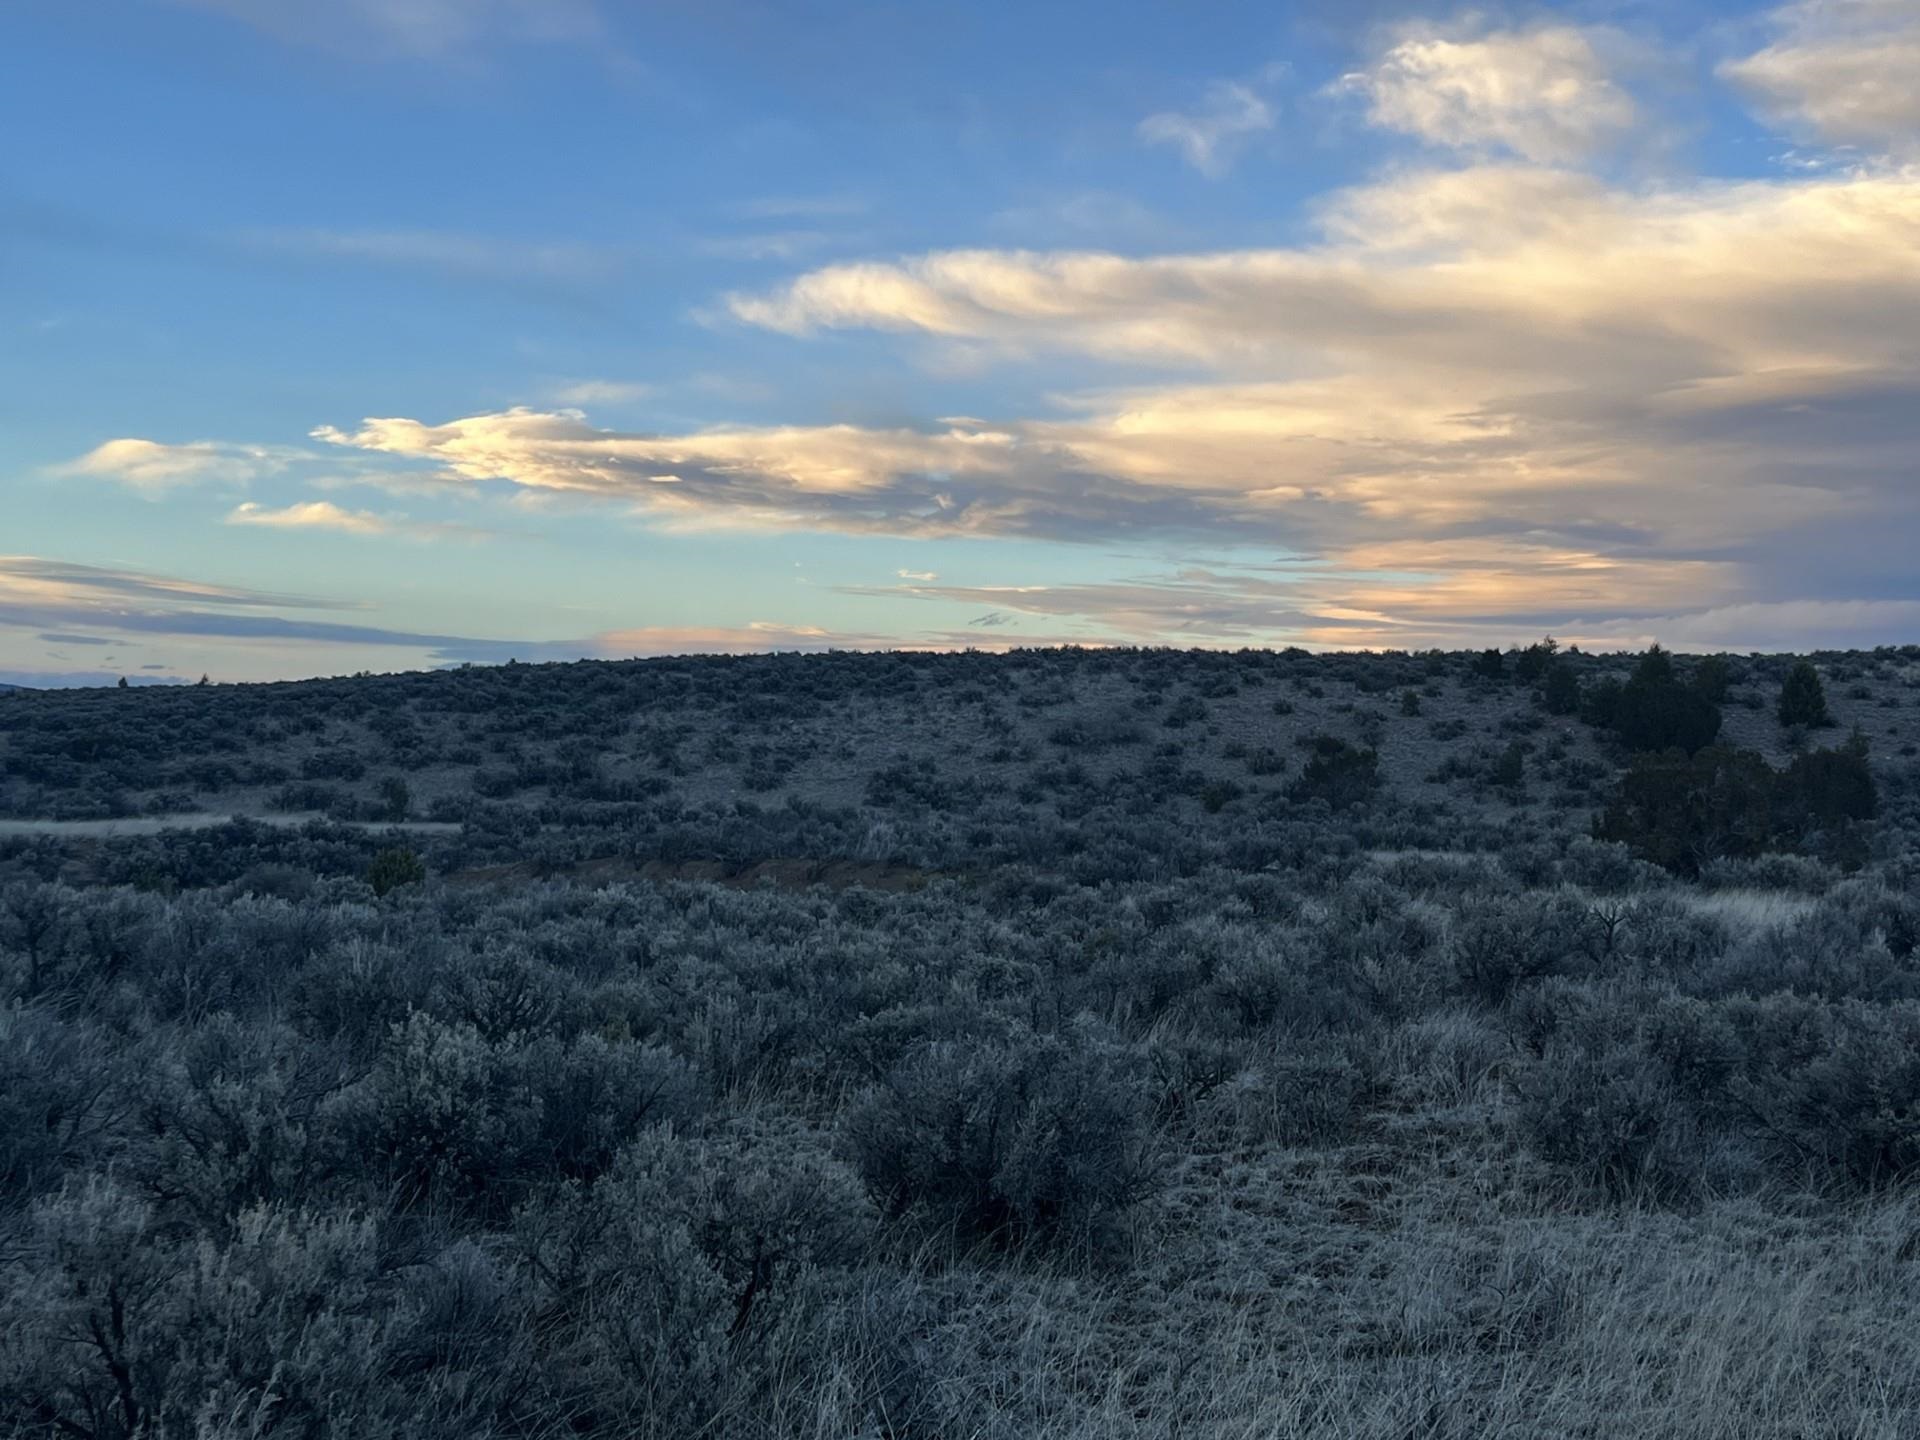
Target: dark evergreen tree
[1680, 811]
[393, 868]
[1600, 703]
[1803, 700]
[1711, 677]
[1561, 692]
[1822, 788]
[1534, 661]
[1656, 712]
[1339, 773]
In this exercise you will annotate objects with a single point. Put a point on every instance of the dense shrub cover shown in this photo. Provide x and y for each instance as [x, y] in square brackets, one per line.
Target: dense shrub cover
[1160, 1082]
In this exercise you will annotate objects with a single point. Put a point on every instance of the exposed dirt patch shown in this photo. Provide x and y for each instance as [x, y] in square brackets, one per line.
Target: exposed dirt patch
[198, 820]
[786, 873]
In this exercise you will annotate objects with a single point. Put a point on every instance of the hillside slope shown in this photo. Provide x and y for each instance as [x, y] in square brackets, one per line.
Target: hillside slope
[939, 760]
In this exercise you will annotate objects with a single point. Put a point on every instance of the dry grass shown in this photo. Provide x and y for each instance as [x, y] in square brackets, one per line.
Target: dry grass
[1749, 912]
[1413, 1286]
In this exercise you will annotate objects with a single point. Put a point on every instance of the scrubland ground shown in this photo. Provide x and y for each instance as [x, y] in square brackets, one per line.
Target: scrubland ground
[1059, 1044]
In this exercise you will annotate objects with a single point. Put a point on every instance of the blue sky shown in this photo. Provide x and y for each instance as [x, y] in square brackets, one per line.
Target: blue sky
[396, 333]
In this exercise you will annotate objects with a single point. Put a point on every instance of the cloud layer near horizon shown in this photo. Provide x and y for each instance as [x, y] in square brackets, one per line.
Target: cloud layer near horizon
[63, 603]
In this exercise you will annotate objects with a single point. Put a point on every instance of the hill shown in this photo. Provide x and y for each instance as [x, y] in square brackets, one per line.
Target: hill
[1057, 1044]
[1116, 762]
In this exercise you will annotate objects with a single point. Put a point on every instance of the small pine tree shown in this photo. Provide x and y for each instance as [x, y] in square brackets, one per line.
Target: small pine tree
[1410, 702]
[1803, 700]
[393, 868]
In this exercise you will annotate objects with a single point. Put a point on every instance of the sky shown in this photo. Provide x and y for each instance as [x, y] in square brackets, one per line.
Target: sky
[393, 334]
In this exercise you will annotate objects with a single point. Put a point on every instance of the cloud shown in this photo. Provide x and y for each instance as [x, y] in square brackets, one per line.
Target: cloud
[1208, 137]
[1490, 397]
[43, 595]
[604, 392]
[1645, 379]
[1790, 625]
[1643, 393]
[151, 467]
[957, 480]
[1399, 596]
[923, 576]
[1317, 605]
[773, 244]
[412, 29]
[239, 627]
[1842, 71]
[59, 597]
[312, 515]
[325, 515]
[27, 580]
[1541, 93]
[1462, 327]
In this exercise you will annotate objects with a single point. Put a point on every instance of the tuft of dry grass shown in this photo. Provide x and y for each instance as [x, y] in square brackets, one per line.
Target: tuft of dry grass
[1749, 912]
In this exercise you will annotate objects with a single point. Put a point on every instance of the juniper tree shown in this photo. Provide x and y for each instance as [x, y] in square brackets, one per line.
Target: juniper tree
[1803, 700]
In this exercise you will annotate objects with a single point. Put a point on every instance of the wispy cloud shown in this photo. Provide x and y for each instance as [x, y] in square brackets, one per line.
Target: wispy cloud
[1321, 604]
[604, 392]
[46, 595]
[31, 577]
[1842, 71]
[37, 594]
[1542, 93]
[153, 467]
[790, 244]
[957, 479]
[325, 515]
[312, 515]
[1210, 135]
[386, 30]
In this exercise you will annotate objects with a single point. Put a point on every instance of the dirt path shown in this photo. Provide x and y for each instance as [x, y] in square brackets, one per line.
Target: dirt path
[790, 874]
[134, 825]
